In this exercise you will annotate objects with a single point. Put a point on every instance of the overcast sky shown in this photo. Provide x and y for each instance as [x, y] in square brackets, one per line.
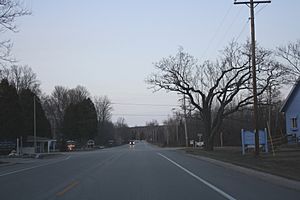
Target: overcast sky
[109, 46]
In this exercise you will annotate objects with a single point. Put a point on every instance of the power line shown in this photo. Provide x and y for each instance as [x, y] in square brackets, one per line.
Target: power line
[243, 29]
[247, 22]
[263, 7]
[141, 115]
[217, 31]
[229, 27]
[145, 104]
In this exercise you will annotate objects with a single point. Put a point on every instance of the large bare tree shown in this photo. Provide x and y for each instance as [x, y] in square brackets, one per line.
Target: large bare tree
[103, 108]
[215, 89]
[291, 55]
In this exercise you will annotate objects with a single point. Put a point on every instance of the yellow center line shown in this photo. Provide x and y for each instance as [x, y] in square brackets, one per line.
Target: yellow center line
[66, 189]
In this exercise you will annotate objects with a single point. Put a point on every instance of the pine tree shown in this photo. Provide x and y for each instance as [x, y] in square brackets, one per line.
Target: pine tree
[80, 121]
[43, 129]
[10, 112]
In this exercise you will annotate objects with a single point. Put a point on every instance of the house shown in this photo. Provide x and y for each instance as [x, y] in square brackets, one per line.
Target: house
[291, 109]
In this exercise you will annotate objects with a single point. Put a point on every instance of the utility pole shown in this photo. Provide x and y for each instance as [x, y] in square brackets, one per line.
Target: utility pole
[252, 4]
[34, 124]
[270, 108]
[185, 126]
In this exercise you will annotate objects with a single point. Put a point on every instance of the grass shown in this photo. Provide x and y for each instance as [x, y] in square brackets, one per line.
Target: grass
[285, 163]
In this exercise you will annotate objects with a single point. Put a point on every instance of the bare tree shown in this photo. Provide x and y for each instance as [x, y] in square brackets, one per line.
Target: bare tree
[78, 94]
[10, 10]
[171, 133]
[121, 122]
[22, 77]
[215, 89]
[103, 108]
[62, 97]
[56, 104]
[291, 55]
[5, 53]
[152, 123]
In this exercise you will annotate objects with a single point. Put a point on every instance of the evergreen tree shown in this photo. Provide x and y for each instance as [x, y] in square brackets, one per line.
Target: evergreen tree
[10, 112]
[80, 121]
[69, 122]
[43, 129]
[106, 131]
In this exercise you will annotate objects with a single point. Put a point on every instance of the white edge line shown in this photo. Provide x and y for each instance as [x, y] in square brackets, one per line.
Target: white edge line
[227, 196]
[29, 168]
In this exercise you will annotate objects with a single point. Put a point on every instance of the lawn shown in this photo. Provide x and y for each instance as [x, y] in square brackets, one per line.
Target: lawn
[286, 161]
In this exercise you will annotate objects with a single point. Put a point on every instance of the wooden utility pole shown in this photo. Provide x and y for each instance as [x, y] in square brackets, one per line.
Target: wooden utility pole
[185, 123]
[252, 4]
[34, 125]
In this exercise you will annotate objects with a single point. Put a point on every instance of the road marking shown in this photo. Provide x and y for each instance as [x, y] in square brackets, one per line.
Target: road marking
[67, 188]
[227, 196]
[29, 168]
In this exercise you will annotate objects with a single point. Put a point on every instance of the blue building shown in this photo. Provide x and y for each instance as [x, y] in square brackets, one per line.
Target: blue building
[291, 109]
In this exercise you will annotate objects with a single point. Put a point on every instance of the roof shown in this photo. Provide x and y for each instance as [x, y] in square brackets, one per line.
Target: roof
[38, 139]
[290, 96]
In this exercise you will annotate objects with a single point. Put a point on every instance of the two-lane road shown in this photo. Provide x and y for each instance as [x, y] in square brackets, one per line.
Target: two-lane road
[140, 172]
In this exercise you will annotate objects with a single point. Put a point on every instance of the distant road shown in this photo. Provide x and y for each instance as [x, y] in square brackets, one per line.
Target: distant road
[141, 172]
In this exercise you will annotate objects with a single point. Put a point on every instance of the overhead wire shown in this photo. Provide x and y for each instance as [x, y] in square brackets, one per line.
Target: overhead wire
[142, 104]
[141, 115]
[203, 55]
[242, 31]
[145, 104]
[229, 27]
[247, 22]
[217, 31]
[263, 7]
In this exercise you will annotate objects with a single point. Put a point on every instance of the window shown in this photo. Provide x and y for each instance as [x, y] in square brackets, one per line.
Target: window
[294, 123]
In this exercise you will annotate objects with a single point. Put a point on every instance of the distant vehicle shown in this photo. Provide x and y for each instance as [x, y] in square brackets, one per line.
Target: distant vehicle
[13, 153]
[199, 144]
[111, 143]
[131, 142]
[71, 145]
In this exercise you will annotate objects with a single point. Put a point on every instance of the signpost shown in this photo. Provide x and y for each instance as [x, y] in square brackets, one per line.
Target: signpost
[248, 140]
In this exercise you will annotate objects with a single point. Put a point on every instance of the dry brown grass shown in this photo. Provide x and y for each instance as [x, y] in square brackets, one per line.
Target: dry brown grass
[285, 163]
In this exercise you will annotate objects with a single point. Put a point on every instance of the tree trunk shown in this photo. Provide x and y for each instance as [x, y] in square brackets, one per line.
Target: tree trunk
[210, 135]
[208, 139]
[210, 146]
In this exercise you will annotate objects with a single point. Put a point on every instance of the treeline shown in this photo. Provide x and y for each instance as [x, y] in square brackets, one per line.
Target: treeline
[65, 114]
[17, 112]
[74, 115]
[172, 131]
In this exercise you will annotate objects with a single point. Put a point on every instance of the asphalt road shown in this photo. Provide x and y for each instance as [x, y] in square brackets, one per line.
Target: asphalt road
[141, 172]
